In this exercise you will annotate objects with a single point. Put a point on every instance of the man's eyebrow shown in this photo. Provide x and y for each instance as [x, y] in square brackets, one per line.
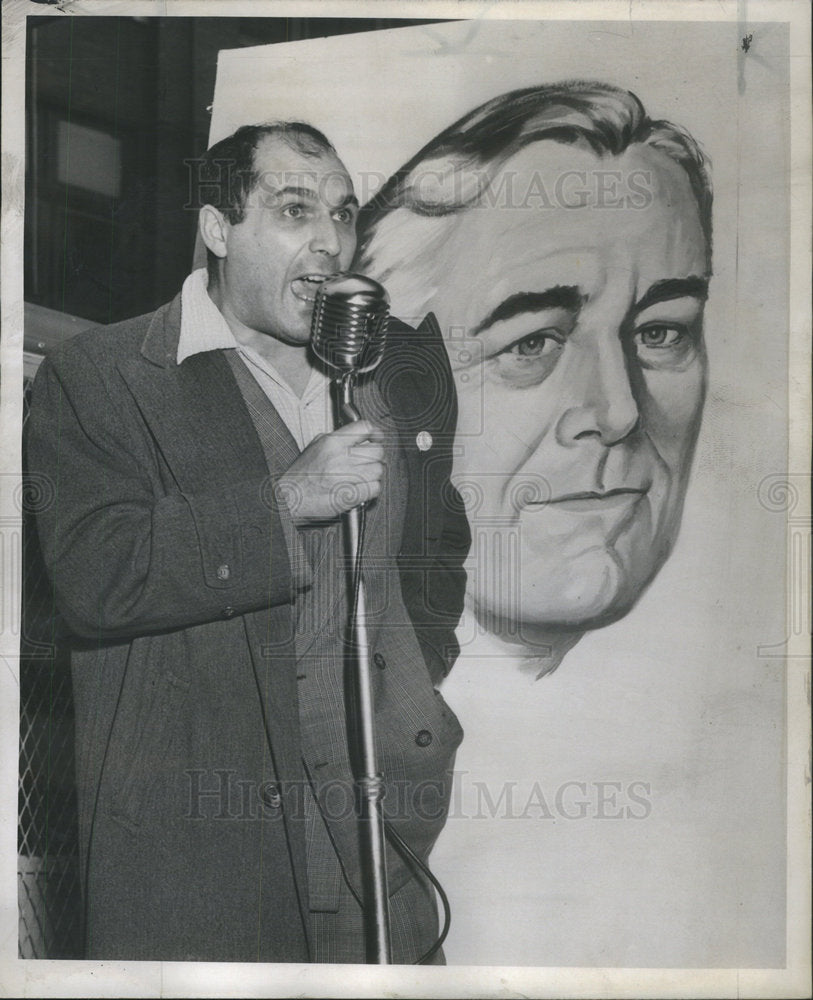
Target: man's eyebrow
[673, 288]
[310, 195]
[300, 192]
[559, 297]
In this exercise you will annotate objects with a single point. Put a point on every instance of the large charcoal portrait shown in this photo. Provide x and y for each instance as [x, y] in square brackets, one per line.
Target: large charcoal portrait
[596, 216]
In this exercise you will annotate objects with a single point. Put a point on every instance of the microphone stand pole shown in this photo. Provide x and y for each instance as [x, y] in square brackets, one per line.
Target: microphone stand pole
[370, 781]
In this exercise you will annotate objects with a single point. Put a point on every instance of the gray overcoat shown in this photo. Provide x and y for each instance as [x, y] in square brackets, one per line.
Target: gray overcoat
[170, 567]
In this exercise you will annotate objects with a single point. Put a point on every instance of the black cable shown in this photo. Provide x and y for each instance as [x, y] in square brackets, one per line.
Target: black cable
[401, 844]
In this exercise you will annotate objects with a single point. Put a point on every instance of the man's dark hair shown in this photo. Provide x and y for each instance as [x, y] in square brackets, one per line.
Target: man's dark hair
[227, 174]
[469, 153]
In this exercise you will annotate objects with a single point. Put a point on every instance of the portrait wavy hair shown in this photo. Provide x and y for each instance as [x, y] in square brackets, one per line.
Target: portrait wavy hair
[401, 228]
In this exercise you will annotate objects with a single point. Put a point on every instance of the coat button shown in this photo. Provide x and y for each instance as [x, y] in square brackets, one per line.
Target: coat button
[223, 572]
[423, 440]
[271, 796]
[228, 612]
[379, 661]
[424, 738]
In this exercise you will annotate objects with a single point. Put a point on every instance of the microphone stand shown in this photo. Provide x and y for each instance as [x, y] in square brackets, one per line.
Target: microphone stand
[370, 780]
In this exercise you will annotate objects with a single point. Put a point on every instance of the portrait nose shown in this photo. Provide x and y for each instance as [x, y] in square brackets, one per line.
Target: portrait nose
[325, 238]
[600, 393]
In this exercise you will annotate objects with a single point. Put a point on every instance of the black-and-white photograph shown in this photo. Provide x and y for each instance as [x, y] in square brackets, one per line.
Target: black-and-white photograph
[406, 499]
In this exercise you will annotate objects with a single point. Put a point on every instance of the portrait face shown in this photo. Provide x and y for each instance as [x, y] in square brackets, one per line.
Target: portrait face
[572, 314]
[299, 227]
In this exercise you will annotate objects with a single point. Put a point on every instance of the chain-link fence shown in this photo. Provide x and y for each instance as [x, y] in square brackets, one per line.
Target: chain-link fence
[47, 868]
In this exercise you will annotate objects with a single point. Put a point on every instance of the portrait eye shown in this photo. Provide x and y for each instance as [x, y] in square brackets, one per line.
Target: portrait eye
[666, 345]
[536, 345]
[529, 360]
[345, 215]
[295, 211]
[660, 336]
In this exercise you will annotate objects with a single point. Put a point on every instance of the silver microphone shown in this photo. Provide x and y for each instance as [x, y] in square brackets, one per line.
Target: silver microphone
[349, 322]
[348, 328]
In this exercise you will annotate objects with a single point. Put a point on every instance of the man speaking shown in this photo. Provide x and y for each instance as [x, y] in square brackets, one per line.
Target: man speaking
[195, 548]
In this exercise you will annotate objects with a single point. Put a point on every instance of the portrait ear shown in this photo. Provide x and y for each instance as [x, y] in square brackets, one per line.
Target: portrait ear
[213, 229]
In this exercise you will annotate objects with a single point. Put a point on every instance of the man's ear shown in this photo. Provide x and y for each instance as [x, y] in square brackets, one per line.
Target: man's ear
[213, 230]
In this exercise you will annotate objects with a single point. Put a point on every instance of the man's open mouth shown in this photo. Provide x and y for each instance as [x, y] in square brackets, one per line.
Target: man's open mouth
[305, 287]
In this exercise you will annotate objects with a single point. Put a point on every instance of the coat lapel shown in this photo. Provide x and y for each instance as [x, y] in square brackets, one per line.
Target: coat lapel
[198, 420]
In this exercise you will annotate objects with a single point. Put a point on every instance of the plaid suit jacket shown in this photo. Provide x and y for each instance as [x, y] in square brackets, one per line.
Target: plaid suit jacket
[417, 734]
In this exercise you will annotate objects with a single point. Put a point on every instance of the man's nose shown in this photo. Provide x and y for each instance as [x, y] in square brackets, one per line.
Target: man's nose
[325, 237]
[601, 397]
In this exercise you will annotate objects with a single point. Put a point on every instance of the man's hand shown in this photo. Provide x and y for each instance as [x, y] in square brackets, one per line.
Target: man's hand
[336, 472]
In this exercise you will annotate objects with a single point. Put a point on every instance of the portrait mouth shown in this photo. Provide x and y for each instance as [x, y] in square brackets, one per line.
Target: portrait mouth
[305, 286]
[593, 501]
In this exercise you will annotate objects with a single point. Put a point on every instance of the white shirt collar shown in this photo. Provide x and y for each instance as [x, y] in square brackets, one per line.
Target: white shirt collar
[203, 327]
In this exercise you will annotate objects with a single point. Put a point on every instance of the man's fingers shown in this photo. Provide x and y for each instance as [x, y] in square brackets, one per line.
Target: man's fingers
[358, 431]
[373, 471]
[367, 452]
[368, 491]
[345, 495]
[337, 472]
[363, 472]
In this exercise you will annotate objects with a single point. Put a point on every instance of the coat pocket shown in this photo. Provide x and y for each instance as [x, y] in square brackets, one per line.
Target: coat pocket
[325, 875]
[149, 750]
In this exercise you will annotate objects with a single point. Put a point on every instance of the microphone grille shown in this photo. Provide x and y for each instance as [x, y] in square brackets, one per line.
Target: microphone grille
[349, 322]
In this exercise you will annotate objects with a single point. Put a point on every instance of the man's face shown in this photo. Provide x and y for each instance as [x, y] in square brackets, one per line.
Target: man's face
[574, 330]
[299, 227]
